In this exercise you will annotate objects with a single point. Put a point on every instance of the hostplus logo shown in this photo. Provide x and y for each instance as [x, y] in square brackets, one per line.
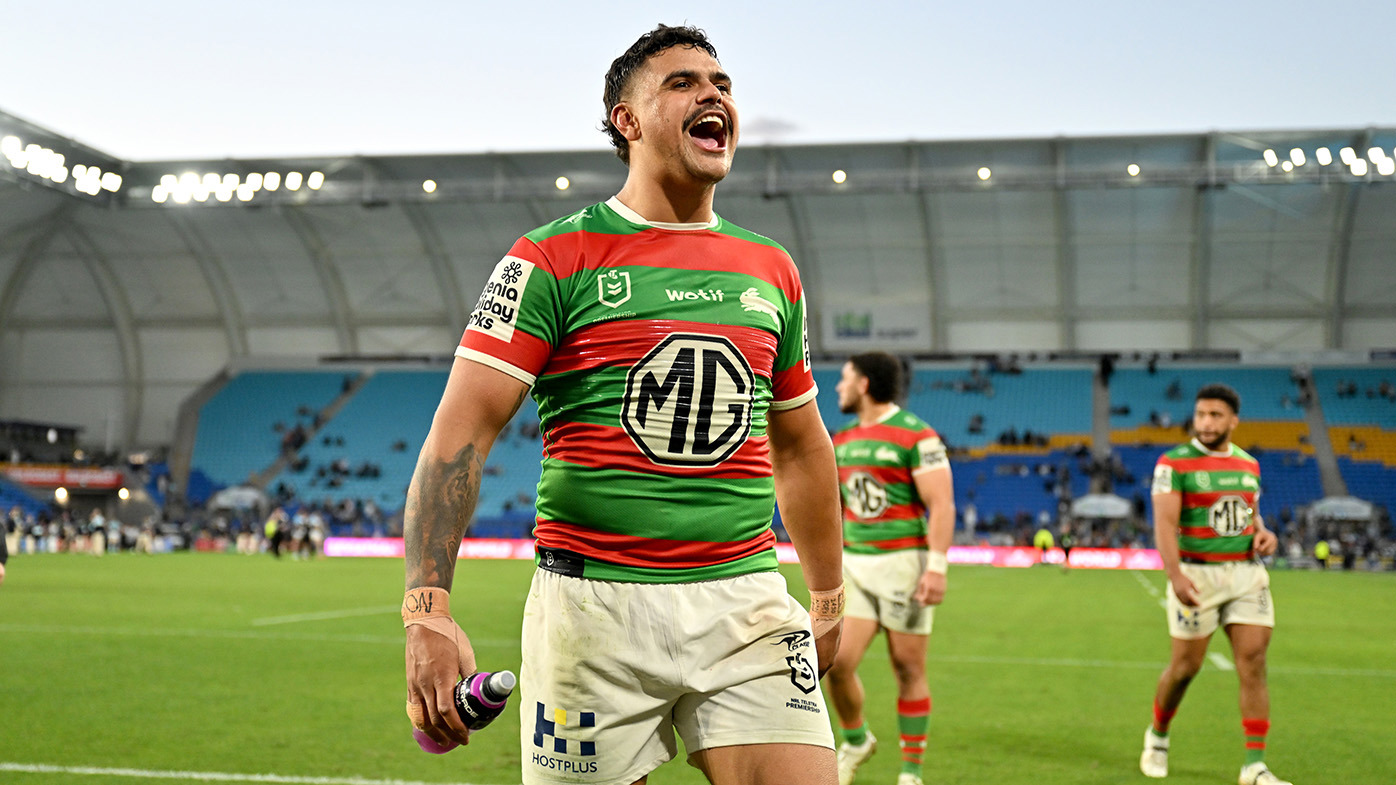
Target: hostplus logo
[556, 732]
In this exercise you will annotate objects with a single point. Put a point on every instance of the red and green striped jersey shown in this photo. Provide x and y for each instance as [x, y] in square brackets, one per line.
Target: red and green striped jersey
[878, 464]
[1219, 493]
[655, 352]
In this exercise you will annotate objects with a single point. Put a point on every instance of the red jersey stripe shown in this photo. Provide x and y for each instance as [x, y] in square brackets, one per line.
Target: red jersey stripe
[894, 512]
[1209, 463]
[901, 437]
[623, 343]
[526, 351]
[887, 475]
[610, 447]
[1207, 532]
[1208, 498]
[1207, 556]
[890, 545]
[574, 252]
[646, 552]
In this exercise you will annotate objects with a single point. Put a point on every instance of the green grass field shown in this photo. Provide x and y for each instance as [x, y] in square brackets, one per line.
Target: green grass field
[128, 668]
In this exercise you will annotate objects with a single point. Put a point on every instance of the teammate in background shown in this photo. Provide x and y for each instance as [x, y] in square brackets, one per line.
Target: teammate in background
[1210, 536]
[666, 349]
[892, 469]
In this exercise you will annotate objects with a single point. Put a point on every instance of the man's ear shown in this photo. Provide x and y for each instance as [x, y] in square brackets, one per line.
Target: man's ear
[625, 121]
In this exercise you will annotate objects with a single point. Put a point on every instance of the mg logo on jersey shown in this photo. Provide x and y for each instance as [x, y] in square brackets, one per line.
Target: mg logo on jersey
[613, 288]
[688, 402]
[866, 498]
[1229, 516]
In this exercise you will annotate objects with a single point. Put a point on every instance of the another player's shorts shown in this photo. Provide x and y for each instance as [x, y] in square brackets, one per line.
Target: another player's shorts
[611, 670]
[882, 587]
[1229, 593]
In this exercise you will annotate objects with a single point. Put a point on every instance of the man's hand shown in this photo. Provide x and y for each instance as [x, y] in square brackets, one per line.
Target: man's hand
[1184, 589]
[930, 588]
[1265, 542]
[435, 662]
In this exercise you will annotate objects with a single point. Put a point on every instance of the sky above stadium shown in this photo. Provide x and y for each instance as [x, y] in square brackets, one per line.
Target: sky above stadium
[159, 79]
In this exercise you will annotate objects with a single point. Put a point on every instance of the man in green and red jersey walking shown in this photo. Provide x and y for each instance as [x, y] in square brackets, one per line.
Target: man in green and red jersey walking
[892, 469]
[667, 351]
[1210, 536]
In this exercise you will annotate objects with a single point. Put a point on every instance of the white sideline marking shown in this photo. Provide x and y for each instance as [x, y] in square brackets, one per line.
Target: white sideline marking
[344, 614]
[1363, 673]
[203, 776]
[1218, 659]
[1151, 589]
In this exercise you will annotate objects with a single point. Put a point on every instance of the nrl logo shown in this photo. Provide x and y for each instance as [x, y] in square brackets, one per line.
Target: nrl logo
[613, 288]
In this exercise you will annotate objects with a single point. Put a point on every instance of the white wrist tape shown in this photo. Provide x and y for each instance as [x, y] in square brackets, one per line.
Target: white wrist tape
[937, 562]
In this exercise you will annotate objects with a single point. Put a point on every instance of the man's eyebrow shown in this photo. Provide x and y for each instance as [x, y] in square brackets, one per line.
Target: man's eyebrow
[688, 73]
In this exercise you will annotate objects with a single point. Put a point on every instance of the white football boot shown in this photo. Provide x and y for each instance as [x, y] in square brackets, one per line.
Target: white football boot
[852, 756]
[1258, 774]
[1154, 760]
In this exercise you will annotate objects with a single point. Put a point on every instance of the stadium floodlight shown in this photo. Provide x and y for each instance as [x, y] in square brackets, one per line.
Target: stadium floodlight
[60, 495]
[562, 183]
[111, 181]
[182, 195]
[294, 180]
[1297, 156]
[230, 181]
[1133, 170]
[159, 194]
[254, 181]
[169, 181]
[1270, 158]
[10, 146]
[1286, 166]
[1386, 166]
[985, 173]
[840, 176]
[315, 180]
[1323, 156]
[271, 181]
[429, 186]
[1359, 167]
[123, 494]
[211, 181]
[245, 192]
[1376, 154]
[1347, 155]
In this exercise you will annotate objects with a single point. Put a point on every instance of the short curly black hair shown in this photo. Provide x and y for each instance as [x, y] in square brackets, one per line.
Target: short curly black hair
[623, 67]
[884, 373]
[1221, 392]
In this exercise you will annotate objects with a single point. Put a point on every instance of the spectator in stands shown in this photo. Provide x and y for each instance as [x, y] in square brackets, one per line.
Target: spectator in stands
[1174, 390]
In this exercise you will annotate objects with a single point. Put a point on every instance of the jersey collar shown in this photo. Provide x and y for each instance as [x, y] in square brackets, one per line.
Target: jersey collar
[633, 217]
[1202, 448]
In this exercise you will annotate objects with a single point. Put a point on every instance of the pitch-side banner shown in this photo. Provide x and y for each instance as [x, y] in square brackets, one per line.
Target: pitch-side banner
[861, 324]
[995, 556]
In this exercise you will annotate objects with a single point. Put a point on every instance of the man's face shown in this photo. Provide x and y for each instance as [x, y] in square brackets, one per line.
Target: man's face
[1213, 421]
[851, 387]
[682, 103]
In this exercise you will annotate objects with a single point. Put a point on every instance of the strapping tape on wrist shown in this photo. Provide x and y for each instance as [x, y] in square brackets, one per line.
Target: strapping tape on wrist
[825, 610]
[423, 603]
[937, 562]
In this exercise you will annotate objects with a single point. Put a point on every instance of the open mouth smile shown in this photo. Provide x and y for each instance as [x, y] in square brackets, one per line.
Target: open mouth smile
[709, 131]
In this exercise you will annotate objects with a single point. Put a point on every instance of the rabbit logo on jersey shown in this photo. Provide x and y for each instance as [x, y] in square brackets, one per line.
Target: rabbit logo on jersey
[688, 401]
[497, 310]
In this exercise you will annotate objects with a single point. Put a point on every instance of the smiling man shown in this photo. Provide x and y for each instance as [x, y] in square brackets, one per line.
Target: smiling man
[667, 351]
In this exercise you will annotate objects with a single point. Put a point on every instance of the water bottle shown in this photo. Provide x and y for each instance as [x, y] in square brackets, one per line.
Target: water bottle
[479, 699]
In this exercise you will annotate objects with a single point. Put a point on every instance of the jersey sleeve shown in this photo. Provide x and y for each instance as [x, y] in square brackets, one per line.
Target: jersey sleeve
[793, 382]
[929, 453]
[1166, 478]
[517, 320]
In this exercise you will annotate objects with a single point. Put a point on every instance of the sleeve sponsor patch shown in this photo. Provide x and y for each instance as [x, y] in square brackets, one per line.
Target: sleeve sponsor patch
[932, 452]
[497, 310]
[1163, 479]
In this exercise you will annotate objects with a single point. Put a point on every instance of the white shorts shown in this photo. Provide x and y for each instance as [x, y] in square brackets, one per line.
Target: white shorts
[1228, 593]
[611, 670]
[881, 587]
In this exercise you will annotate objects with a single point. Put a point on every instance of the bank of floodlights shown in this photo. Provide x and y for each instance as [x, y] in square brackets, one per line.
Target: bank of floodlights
[189, 187]
[45, 163]
[1376, 160]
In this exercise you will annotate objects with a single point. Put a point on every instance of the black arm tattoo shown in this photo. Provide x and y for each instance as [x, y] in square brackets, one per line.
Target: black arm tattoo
[440, 502]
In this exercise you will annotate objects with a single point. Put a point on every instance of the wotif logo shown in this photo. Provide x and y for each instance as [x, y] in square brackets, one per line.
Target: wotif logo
[711, 295]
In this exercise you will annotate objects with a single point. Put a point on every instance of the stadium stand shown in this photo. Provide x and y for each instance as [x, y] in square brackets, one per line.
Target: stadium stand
[1267, 394]
[237, 435]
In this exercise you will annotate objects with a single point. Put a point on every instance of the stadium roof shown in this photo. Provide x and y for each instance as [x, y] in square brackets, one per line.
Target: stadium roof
[116, 304]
